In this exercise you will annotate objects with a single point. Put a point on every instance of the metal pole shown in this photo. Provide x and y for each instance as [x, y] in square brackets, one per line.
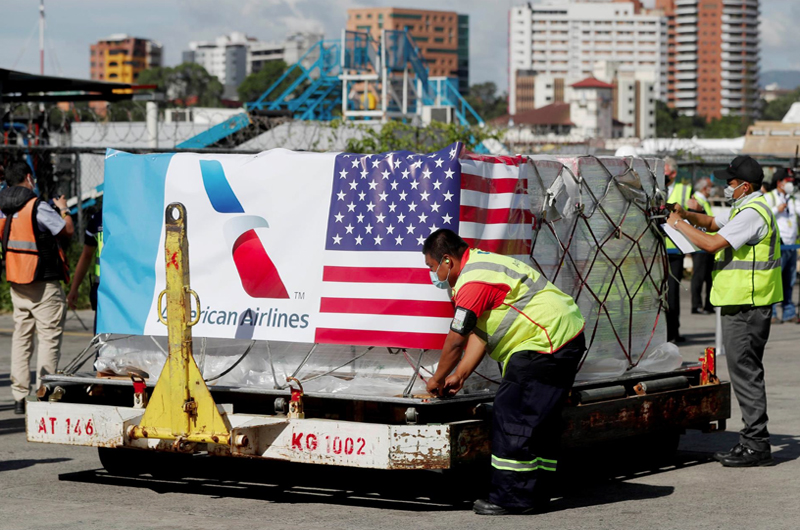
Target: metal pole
[343, 77]
[405, 90]
[384, 87]
[151, 111]
[41, 37]
[79, 191]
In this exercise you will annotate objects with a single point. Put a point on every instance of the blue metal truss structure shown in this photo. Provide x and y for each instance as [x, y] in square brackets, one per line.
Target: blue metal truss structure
[352, 78]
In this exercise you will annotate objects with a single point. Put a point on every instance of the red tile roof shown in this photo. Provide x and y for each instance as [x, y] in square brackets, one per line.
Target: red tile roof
[553, 114]
[591, 82]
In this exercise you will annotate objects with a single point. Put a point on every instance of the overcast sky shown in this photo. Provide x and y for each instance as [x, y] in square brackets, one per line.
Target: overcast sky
[72, 25]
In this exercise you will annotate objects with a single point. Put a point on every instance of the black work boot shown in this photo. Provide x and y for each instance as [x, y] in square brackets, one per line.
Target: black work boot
[484, 507]
[19, 407]
[735, 451]
[749, 458]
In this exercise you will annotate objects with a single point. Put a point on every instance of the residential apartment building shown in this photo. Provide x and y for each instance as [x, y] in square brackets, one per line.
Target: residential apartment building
[713, 56]
[565, 40]
[233, 57]
[225, 57]
[121, 58]
[290, 51]
[631, 96]
[441, 36]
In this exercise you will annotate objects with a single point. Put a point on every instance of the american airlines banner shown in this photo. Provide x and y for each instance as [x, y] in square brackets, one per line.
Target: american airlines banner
[303, 247]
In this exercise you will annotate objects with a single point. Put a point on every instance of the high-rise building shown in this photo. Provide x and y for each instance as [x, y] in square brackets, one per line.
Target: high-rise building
[713, 48]
[441, 36]
[233, 57]
[121, 58]
[565, 40]
[225, 57]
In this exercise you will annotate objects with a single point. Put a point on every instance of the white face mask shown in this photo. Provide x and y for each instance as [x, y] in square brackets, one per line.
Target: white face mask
[788, 188]
[729, 191]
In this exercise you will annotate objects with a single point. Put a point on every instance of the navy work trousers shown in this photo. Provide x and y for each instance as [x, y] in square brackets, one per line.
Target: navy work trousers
[527, 424]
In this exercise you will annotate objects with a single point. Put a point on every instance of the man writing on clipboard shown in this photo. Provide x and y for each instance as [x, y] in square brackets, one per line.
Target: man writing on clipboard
[746, 282]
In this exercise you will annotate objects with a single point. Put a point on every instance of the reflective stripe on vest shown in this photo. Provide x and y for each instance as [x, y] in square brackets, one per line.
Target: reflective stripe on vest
[22, 253]
[680, 195]
[99, 238]
[752, 274]
[524, 321]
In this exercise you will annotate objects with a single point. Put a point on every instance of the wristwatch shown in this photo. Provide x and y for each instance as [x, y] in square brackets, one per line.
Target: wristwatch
[64, 213]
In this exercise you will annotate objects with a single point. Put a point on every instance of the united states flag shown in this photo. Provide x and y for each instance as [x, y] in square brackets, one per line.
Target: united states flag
[376, 288]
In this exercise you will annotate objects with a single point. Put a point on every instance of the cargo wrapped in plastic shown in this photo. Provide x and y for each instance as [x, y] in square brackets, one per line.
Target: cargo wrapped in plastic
[596, 237]
[588, 224]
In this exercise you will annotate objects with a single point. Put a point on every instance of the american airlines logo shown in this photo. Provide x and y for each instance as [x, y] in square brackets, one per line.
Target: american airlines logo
[257, 272]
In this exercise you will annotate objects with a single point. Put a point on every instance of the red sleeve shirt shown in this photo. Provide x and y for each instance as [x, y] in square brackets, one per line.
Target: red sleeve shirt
[480, 296]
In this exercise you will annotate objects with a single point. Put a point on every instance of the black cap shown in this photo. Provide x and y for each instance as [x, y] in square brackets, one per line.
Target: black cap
[781, 174]
[742, 168]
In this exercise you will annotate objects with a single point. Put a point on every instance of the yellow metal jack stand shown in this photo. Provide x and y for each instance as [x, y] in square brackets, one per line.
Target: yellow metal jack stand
[181, 407]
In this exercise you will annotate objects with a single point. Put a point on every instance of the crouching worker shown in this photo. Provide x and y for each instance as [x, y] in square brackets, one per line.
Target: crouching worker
[536, 332]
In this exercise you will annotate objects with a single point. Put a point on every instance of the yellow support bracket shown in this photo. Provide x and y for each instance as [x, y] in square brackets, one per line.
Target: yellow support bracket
[181, 407]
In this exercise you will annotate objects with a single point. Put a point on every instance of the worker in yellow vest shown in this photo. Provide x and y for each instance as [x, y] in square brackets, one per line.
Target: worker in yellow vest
[677, 193]
[505, 308]
[746, 282]
[702, 262]
[92, 247]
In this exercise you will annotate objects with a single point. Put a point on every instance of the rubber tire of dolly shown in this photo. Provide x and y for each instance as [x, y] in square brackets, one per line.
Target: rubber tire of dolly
[123, 462]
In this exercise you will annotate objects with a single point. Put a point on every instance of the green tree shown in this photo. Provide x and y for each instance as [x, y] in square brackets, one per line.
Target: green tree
[399, 136]
[776, 109]
[670, 124]
[257, 83]
[181, 83]
[487, 103]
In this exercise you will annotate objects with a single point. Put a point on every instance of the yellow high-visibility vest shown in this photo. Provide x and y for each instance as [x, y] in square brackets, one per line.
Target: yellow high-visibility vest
[535, 315]
[752, 274]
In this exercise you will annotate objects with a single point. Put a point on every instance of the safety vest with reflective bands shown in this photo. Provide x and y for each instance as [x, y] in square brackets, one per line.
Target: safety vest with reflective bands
[752, 274]
[706, 207]
[681, 193]
[534, 315]
[99, 238]
[30, 253]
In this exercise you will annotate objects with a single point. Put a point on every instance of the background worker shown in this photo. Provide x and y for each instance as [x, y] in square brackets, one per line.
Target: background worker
[677, 193]
[508, 310]
[785, 209]
[35, 266]
[92, 247]
[702, 262]
[747, 281]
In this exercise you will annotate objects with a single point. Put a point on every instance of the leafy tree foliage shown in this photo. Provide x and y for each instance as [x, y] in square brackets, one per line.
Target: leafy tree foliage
[399, 136]
[257, 83]
[487, 103]
[776, 109]
[184, 82]
[670, 124]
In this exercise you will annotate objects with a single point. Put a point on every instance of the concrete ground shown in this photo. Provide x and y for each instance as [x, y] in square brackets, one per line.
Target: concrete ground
[51, 486]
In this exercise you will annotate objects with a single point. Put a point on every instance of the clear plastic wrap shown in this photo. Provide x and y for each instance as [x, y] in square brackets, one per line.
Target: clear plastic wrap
[324, 368]
[596, 238]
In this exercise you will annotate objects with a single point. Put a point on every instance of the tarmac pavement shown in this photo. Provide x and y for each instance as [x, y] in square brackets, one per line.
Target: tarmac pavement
[53, 486]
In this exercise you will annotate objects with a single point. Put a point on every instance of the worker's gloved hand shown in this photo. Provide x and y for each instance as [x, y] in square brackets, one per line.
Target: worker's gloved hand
[453, 384]
[434, 386]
